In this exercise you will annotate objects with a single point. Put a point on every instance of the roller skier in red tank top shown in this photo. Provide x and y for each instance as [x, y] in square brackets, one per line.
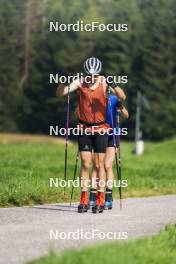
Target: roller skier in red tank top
[92, 106]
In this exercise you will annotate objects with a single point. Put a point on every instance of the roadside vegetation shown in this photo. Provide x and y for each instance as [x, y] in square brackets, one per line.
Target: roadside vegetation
[158, 249]
[26, 169]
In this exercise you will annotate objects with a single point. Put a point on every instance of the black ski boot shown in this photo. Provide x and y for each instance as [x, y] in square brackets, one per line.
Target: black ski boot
[83, 208]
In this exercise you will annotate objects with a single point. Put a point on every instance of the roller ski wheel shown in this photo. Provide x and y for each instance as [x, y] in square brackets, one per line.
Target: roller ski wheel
[97, 209]
[83, 208]
[108, 205]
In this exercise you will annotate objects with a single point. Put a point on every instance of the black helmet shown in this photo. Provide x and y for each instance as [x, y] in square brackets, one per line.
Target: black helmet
[92, 66]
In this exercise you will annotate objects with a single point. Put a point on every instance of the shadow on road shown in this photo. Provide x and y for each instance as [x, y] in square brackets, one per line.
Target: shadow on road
[63, 208]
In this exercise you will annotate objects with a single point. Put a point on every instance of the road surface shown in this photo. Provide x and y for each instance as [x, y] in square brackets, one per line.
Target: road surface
[27, 233]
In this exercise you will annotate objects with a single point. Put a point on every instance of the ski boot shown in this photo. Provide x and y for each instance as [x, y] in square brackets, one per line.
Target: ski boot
[99, 203]
[108, 199]
[84, 202]
[92, 197]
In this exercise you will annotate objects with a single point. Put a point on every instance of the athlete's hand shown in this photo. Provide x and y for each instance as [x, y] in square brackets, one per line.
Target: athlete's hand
[110, 82]
[119, 104]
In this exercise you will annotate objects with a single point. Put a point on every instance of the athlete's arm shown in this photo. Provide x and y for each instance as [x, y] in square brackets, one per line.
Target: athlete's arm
[116, 89]
[124, 112]
[119, 93]
[64, 89]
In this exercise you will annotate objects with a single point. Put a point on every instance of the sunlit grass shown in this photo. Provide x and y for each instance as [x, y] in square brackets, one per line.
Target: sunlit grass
[26, 169]
[159, 249]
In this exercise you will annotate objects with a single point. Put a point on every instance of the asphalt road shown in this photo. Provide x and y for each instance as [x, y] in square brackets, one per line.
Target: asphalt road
[27, 233]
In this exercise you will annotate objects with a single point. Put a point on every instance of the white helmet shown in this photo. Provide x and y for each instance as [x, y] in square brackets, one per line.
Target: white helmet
[92, 66]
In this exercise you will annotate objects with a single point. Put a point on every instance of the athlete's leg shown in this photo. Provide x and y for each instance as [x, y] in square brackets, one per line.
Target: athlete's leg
[99, 168]
[86, 160]
[85, 148]
[94, 176]
[100, 144]
[109, 175]
[109, 159]
[94, 183]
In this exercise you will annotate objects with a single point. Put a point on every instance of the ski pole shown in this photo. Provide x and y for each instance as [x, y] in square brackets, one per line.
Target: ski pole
[66, 137]
[117, 160]
[74, 176]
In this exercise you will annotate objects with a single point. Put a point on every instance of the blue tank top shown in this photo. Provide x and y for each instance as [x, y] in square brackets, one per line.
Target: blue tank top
[113, 103]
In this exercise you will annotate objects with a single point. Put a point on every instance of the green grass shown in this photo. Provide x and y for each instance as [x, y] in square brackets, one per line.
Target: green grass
[25, 170]
[159, 249]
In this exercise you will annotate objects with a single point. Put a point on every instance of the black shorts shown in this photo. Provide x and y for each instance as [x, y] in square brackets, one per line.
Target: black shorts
[111, 141]
[97, 143]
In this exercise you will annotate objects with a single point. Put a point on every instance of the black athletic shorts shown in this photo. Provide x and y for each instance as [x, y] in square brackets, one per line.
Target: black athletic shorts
[111, 141]
[97, 143]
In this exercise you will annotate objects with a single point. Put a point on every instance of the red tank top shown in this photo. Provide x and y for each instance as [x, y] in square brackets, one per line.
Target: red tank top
[92, 104]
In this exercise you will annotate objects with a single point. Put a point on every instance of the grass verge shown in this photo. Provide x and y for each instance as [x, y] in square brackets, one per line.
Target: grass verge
[158, 249]
[26, 169]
